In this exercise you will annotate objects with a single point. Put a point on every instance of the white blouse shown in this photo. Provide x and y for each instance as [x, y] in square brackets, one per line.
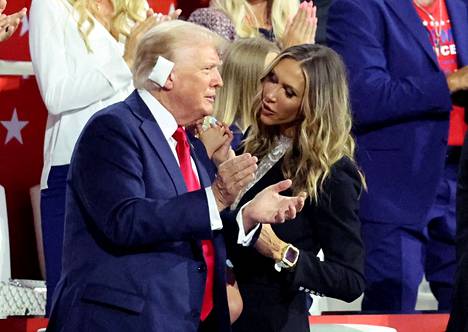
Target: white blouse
[74, 83]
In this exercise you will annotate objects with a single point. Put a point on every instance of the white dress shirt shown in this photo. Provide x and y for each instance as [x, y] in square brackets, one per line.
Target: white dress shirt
[168, 125]
[74, 83]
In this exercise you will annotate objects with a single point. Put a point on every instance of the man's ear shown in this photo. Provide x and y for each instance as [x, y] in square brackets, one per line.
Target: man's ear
[170, 82]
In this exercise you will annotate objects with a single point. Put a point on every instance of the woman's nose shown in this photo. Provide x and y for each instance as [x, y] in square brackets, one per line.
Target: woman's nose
[271, 93]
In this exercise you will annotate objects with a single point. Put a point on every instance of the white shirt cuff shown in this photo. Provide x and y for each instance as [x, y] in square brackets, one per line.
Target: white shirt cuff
[243, 238]
[215, 218]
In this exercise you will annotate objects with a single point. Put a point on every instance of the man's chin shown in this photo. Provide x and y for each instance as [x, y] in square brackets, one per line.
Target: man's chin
[208, 111]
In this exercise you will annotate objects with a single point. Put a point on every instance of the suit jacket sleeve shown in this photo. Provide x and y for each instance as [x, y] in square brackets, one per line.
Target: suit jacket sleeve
[340, 275]
[108, 175]
[378, 94]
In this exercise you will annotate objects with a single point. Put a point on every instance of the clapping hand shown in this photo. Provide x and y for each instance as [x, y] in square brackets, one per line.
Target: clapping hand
[141, 28]
[302, 27]
[269, 207]
[233, 175]
[9, 23]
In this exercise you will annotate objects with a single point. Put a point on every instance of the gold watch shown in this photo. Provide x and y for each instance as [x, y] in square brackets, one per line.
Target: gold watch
[289, 257]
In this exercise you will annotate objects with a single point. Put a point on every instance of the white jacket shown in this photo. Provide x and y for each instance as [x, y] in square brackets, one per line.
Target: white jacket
[74, 83]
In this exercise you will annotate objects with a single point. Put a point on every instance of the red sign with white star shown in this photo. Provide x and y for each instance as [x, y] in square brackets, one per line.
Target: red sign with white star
[22, 125]
[13, 128]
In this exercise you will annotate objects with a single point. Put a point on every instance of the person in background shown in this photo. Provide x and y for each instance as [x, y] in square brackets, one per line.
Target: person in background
[144, 247]
[282, 21]
[404, 66]
[9, 23]
[81, 67]
[243, 63]
[301, 130]
[458, 321]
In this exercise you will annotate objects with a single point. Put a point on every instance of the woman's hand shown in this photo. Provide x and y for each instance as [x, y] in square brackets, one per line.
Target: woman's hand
[268, 244]
[224, 152]
[9, 23]
[212, 138]
[140, 29]
[217, 140]
[302, 27]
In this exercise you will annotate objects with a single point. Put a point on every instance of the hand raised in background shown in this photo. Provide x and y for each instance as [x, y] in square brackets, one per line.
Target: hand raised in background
[9, 23]
[301, 29]
[141, 28]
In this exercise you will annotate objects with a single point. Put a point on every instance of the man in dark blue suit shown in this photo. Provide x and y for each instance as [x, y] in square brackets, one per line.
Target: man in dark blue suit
[143, 245]
[406, 59]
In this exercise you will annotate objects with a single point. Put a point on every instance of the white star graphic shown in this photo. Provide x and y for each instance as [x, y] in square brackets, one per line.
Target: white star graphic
[14, 127]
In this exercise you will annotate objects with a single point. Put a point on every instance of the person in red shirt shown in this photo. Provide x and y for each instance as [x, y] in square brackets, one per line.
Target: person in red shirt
[406, 65]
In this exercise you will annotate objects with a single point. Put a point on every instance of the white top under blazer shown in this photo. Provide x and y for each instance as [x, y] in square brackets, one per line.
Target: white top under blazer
[74, 83]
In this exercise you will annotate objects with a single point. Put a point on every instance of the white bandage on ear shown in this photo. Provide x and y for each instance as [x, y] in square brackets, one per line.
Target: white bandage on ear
[161, 71]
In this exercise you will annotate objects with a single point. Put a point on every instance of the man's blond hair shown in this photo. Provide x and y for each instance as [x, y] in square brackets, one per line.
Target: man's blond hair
[164, 40]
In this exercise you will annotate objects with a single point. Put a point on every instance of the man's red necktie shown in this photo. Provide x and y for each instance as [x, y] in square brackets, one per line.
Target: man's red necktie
[183, 153]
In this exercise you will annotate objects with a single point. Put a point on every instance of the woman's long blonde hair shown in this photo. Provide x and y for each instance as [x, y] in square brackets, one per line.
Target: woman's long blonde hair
[239, 10]
[126, 13]
[243, 65]
[323, 135]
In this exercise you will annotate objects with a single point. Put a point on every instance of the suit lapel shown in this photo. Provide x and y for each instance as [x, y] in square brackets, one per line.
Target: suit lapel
[459, 17]
[155, 136]
[202, 173]
[408, 16]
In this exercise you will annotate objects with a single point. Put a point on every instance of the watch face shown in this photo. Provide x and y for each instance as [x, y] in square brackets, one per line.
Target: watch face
[291, 255]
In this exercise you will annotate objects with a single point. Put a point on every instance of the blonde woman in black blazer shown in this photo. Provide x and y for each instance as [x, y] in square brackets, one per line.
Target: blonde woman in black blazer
[301, 132]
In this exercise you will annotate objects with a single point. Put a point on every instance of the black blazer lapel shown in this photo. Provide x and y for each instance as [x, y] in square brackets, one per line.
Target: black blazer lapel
[408, 16]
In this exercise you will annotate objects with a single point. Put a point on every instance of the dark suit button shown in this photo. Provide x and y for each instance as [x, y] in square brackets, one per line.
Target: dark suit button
[195, 313]
[201, 268]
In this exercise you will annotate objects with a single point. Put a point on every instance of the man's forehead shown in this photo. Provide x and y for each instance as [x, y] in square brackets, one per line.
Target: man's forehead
[197, 54]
